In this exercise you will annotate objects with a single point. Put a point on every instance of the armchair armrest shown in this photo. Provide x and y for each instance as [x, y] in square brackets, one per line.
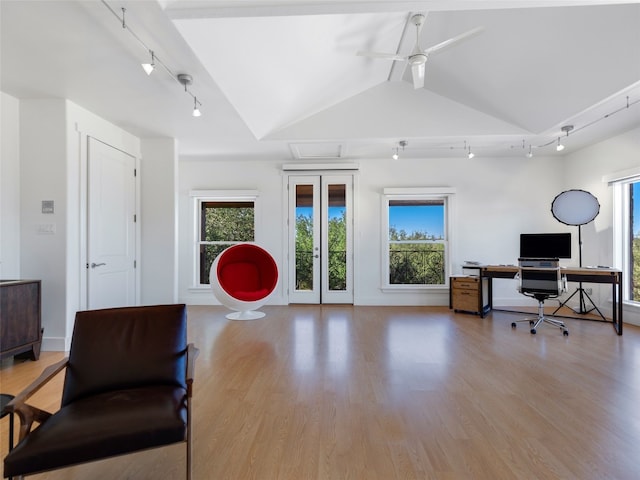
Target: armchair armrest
[28, 413]
[192, 354]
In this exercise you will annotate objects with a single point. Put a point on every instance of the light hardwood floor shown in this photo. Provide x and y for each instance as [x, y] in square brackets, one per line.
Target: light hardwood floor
[341, 392]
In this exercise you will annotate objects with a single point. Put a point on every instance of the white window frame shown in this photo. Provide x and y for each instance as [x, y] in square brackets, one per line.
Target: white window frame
[204, 196]
[444, 194]
[620, 183]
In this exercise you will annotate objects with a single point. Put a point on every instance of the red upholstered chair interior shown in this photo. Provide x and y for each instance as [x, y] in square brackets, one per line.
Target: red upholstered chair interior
[242, 278]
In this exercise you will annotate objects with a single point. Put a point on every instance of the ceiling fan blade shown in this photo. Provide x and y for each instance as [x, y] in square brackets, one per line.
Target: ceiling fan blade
[417, 71]
[386, 56]
[451, 41]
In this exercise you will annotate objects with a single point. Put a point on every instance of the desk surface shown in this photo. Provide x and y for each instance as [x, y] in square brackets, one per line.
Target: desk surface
[567, 270]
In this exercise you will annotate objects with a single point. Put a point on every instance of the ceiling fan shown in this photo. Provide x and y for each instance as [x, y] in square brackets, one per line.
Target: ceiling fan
[418, 57]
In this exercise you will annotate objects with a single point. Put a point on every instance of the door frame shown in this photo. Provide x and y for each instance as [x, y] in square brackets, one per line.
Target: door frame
[83, 225]
[323, 179]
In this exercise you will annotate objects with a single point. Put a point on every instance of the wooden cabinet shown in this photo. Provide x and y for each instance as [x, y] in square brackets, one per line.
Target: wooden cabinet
[20, 318]
[469, 294]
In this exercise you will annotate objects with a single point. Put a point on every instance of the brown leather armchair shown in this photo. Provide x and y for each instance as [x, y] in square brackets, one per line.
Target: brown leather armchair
[127, 387]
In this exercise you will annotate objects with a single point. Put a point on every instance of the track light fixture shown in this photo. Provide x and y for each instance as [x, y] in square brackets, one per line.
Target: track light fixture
[530, 152]
[196, 110]
[470, 154]
[566, 129]
[186, 80]
[150, 67]
[396, 153]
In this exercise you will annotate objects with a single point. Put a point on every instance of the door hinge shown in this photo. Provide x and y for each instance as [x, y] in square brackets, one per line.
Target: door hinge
[135, 172]
[135, 218]
[135, 264]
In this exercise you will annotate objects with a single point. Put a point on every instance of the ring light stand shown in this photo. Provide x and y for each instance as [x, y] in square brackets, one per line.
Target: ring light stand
[577, 207]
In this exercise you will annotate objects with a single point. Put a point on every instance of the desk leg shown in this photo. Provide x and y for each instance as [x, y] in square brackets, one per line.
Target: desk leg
[490, 291]
[616, 297]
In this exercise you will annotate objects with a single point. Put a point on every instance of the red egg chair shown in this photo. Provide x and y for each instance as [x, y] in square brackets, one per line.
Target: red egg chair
[242, 278]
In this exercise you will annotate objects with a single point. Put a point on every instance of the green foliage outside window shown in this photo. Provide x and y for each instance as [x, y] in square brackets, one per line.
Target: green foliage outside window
[223, 224]
[337, 259]
[418, 260]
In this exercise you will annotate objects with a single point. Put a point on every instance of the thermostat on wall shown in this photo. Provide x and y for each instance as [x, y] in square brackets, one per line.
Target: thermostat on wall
[47, 206]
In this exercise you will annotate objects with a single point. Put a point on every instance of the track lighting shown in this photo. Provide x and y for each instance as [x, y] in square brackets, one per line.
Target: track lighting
[401, 144]
[196, 110]
[470, 154]
[148, 67]
[182, 78]
[186, 80]
[530, 152]
[566, 129]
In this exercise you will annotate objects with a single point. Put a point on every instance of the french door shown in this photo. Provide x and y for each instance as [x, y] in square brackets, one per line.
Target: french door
[321, 239]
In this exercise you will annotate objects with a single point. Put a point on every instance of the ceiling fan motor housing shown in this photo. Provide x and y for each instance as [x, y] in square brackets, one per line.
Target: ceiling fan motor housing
[417, 59]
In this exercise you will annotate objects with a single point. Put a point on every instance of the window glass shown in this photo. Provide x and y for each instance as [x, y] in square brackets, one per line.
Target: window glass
[634, 247]
[222, 224]
[417, 243]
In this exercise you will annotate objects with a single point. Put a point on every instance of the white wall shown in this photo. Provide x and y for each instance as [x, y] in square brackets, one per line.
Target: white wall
[9, 187]
[53, 137]
[496, 200]
[43, 176]
[204, 174]
[158, 220]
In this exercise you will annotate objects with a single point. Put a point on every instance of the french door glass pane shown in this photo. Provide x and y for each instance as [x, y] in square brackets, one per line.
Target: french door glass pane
[337, 239]
[304, 237]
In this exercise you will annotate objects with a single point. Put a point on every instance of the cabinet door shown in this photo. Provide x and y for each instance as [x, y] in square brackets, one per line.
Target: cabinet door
[20, 307]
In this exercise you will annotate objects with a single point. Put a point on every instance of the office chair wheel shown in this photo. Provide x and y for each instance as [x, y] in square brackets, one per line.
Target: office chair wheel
[533, 331]
[513, 324]
[565, 333]
[531, 323]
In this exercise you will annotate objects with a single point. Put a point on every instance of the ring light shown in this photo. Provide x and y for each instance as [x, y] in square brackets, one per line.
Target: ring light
[575, 207]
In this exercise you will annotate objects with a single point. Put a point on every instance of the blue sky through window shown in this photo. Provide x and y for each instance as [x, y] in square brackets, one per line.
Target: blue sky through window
[334, 212]
[428, 219]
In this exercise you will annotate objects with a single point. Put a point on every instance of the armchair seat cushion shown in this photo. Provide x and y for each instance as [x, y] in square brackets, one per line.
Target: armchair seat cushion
[128, 420]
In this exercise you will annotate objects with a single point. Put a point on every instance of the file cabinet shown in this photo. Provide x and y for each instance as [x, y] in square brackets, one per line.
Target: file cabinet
[469, 294]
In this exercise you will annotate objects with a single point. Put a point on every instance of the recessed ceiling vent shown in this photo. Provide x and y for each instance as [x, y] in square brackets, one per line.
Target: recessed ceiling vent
[315, 151]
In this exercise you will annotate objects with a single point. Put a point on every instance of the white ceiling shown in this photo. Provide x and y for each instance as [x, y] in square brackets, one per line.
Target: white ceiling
[281, 79]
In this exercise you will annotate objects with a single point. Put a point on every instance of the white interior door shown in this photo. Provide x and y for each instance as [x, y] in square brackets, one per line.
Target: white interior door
[321, 239]
[111, 249]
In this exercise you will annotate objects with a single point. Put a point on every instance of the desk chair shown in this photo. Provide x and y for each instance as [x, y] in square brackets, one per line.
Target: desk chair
[541, 283]
[127, 387]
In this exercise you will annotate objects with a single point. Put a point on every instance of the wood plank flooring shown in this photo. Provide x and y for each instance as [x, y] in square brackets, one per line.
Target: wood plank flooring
[382, 393]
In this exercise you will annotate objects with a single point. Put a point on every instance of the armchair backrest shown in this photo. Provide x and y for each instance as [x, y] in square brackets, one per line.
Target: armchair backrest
[119, 348]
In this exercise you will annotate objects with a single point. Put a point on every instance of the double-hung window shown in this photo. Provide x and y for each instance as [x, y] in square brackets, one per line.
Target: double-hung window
[626, 227]
[416, 238]
[222, 219]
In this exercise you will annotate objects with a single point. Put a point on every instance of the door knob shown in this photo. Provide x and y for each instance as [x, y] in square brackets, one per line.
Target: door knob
[94, 265]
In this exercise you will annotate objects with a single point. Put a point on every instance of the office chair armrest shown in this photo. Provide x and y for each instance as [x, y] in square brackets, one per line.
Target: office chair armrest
[28, 413]
[192, 354]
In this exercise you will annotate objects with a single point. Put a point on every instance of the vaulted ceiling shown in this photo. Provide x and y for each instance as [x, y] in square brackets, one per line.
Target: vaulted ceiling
[282, 79]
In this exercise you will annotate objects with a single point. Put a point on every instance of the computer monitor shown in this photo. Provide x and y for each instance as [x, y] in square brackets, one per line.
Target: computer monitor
[545, 245]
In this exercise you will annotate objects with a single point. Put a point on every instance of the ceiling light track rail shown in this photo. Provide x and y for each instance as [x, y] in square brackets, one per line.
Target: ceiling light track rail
[155, 60]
